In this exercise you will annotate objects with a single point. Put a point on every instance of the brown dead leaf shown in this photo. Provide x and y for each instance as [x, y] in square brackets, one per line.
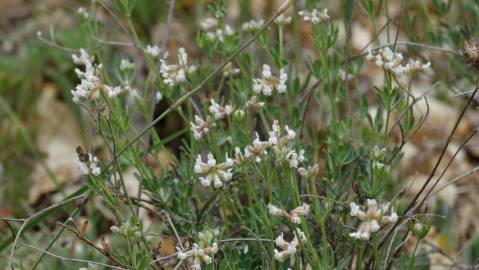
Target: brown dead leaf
[58, 135]
[166, 246]
[440, 121]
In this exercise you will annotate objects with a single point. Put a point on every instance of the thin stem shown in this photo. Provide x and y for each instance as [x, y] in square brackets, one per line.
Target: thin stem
[30, 218]
[73, 259]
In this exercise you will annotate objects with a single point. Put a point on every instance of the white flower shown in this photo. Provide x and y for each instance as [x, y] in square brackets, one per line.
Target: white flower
[276, 138]
[392, 218]
[218, 111]
[276, 211]
[288, 249]
[343, 75]
[229, 70]
[354, 209]
[268, 82]
[113, 91]
[212, 172]
[90, 85]
[417, 65]
[200, 253]
[283, 20]
[220, 34]
[295, 159]
[126, 64]
[181, 255]
[280, 242]
[298, 212]
[126, 229]
[257, 150]
[213, 32]
[176, 74]
[360, 235]
[83, 59]
[254, 104]
[152, 50]
[275, 133]
[371, 218]
[309, 172]
[294, 215]
[200, 127]
[389, 60]
[82, 12]
[283, 77]
[208, 24]
[314, 16]
[252, 26]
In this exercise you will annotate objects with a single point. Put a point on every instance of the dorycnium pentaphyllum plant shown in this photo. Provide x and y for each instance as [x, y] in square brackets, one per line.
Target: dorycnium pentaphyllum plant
[285, 161]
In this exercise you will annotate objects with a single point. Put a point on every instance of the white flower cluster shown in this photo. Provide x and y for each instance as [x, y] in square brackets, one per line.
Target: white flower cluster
[126, 229]
[90, 84]
[393, 61]
[279, 145]
[294, 159]
[83, 12]
[218, 111]
[113, 91]
[201, 252]
[275, 137]
[288, 249]
[254, 104]
[252, 26]
[152, 50]
[293, 216]
[282, 20]
[176, 73]
[201, 127]
[199, 255]
[256, 151]
[214, 32]
[372, 218]
[89, 165]
[309, 172]
[230, 70]
[209, 24]
[315, 16]
[214, 173]
[268, 82]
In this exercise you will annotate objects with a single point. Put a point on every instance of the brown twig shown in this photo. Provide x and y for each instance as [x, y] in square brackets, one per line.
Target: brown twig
[106, 253]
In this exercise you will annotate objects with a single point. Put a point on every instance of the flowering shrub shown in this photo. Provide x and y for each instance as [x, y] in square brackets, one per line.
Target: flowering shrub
[281, 164]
